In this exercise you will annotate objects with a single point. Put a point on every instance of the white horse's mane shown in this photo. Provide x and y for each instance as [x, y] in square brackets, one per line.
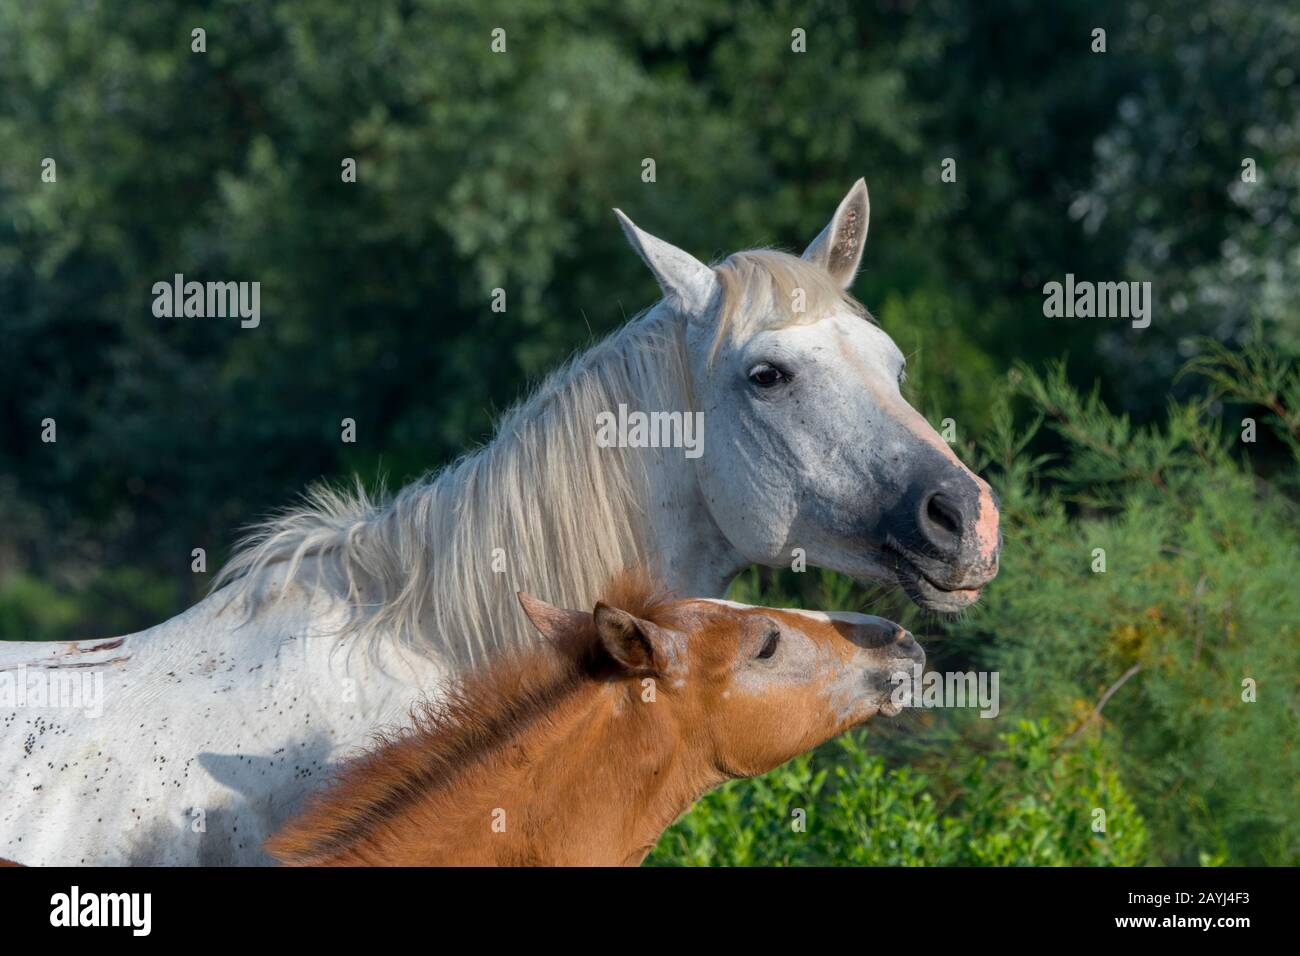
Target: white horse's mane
[566, 514]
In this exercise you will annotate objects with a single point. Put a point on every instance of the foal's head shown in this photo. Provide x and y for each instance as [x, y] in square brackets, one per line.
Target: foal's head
[746, 688]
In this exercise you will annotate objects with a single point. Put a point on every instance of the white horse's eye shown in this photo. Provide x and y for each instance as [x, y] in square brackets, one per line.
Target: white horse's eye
[765, 375]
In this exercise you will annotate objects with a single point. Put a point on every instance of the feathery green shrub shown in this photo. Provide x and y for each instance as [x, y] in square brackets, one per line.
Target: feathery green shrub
[1162, 689]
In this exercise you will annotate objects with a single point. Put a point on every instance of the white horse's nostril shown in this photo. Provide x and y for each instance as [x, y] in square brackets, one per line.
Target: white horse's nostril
[941, 522]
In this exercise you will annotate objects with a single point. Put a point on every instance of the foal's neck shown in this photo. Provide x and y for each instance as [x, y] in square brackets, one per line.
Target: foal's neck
[593, 783]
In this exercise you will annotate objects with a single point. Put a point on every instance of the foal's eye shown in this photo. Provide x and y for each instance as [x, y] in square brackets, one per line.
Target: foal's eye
[769, 646]
[765, 375]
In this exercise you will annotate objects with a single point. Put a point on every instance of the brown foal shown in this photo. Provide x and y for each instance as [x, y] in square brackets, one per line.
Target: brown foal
[582, 750]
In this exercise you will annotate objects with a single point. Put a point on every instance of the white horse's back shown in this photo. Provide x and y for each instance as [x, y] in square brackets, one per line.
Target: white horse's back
[204, 734]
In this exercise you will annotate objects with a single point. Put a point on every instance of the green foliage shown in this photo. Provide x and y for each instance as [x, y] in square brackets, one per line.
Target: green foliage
[1125, 686]
[34, 609]
[1030, 802]
[1197, 596]
[110, 602]
[479, 170]
[1257, 374]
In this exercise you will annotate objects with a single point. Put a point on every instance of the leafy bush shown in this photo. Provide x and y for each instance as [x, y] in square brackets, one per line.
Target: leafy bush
[1197, 606]
[1130, 687]
[1031, 802]
[110, 602]
[478, 171]
[33, 608]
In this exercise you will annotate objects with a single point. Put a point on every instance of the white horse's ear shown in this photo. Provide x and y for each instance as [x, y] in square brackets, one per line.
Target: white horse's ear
[838, 248]
[685, 280]
[553, 622]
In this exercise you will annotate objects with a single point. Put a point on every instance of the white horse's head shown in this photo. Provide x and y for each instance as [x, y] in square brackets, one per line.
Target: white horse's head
[808, 442]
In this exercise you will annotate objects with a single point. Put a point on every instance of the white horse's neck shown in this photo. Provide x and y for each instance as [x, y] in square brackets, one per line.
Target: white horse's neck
[681, 542]
[541, 509]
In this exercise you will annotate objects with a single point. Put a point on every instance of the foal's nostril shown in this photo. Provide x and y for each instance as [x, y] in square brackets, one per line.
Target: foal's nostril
[878, 633]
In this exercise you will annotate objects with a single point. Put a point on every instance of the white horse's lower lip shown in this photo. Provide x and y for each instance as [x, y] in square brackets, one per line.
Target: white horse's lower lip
[926, 592]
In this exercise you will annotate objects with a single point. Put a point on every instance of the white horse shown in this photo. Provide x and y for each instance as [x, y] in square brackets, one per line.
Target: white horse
[334, 617]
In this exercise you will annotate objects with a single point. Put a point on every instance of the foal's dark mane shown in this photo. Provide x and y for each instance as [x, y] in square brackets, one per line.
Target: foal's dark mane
[480, 712]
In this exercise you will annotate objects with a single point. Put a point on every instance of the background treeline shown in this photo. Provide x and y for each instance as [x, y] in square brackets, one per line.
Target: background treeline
[479, 170]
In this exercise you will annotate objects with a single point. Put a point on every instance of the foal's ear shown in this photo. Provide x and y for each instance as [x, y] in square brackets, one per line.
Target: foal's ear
[554, 622]
[686, 281]
[634, 643]
[838, 248]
